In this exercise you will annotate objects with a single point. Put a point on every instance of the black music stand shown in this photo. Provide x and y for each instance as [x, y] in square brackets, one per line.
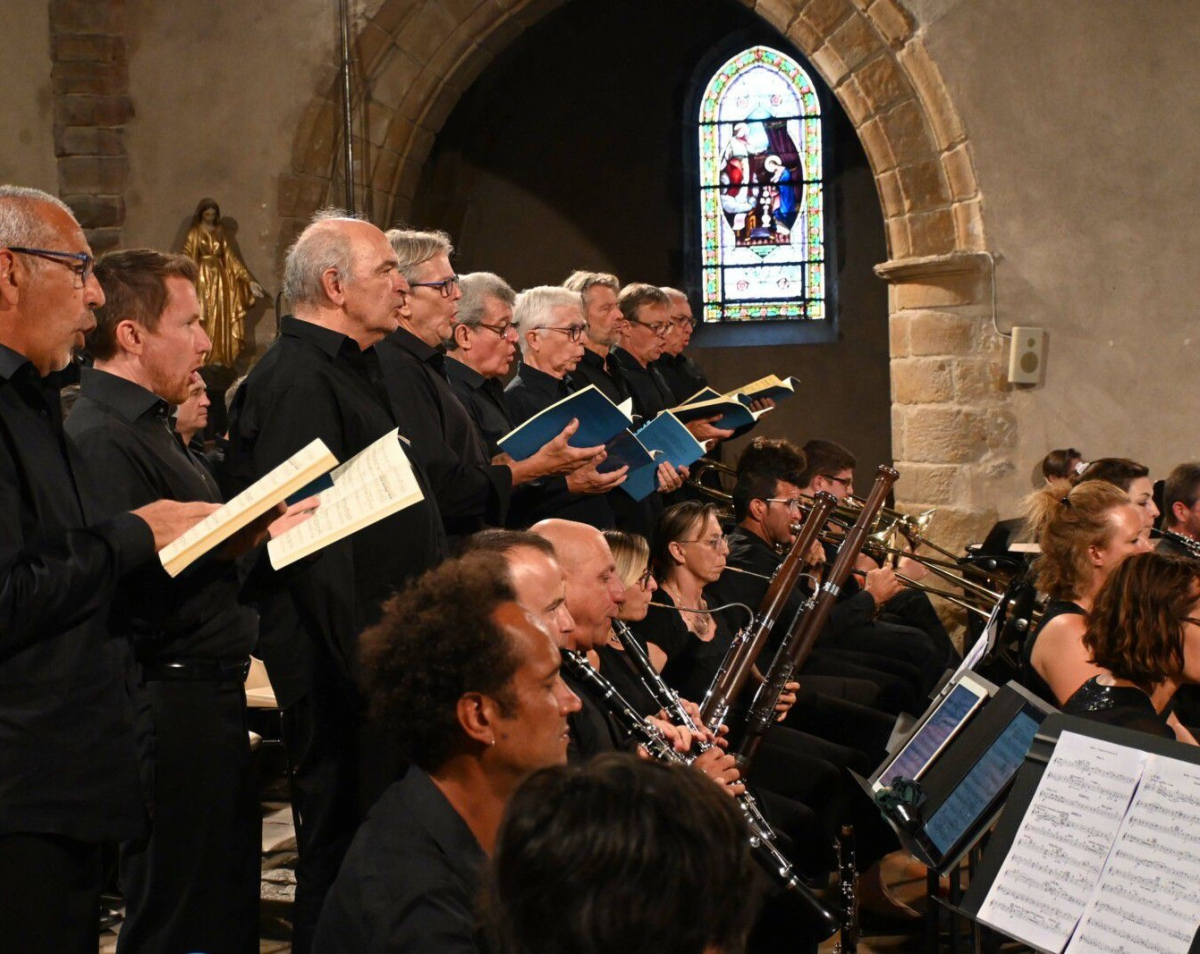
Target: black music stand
[1026, 784]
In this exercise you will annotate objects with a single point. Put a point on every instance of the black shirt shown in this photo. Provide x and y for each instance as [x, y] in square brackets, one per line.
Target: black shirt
[484, 400]
[682, 374]
[593, 730]
[1125, 706]
[529, 393]
[603, 374]
[691, 661]
[68, 764]
[409, 882]
[125, 432]
[532, 391]
[1030, 677]
[314, 382]
[471, 491]
[651, 395]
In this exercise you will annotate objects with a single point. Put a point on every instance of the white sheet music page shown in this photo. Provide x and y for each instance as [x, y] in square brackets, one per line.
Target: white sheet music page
[1060, 849]
[374, 484]
[1147, 898]
[301, 468]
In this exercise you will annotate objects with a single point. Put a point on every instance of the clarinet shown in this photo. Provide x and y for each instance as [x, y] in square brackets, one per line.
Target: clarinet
[744, 651]
[1186, 543]
[668, 699]
[848, 890]
[808, 622]
[648, 735]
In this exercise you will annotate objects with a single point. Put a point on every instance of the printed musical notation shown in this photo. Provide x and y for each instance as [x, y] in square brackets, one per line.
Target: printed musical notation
[1146, 897]
[1063, 842]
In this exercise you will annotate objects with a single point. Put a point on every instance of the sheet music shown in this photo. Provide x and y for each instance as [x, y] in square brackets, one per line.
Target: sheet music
[376, 483]
[299, 469]
[1060, 849]
[1147, 898]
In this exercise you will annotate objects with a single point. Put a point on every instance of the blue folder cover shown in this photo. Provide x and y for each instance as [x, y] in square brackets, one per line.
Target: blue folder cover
[599, 422]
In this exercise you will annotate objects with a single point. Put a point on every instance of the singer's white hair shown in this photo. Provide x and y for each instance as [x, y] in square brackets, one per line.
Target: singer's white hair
[20, 223]
[321, 246]
[536, 307]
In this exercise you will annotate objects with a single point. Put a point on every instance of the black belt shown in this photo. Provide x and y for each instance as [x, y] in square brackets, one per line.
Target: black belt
[197, 670]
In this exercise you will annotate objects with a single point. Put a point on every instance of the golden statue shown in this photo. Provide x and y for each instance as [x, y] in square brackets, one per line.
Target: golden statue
[226, 288]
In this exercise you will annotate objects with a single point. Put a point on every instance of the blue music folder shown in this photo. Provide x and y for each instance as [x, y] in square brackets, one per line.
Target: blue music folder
[599, 422]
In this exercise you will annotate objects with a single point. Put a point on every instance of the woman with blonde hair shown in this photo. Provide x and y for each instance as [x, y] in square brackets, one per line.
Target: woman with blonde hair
[1144, 637]
[1085, 532]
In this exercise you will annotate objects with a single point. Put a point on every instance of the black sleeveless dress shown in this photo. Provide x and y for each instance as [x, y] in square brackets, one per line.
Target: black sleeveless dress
[1029, 676]
[1124, 706]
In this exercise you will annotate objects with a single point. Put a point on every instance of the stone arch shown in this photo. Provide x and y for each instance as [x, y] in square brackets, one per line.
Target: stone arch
[950, 429]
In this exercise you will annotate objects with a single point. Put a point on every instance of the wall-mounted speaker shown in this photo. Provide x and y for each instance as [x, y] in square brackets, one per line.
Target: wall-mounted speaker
[1026, 355]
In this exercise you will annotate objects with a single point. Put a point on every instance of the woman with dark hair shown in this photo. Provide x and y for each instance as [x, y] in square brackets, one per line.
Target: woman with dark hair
[1144, 637]
[225, 286]
[1129, 476]
[1061, 464]
[1084, 532]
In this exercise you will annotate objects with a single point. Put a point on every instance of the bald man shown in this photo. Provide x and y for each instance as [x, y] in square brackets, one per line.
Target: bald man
[321, 379]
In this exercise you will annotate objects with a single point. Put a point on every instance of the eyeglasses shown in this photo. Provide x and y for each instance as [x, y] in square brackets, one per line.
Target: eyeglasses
[713, 543]
[686, 322]
[507, 331]
[81, 263]
[792, 503]
[446, 285]
[643, 581]
[1190, 619]
[659, 327]
[574, 332]
[846, 482]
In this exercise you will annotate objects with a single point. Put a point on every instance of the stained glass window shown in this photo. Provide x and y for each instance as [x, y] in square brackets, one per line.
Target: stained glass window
[762, 223]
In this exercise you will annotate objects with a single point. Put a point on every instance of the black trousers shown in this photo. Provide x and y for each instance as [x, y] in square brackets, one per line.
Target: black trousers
[904, 643]
[49, 894]
[321, 733]
[192, 883]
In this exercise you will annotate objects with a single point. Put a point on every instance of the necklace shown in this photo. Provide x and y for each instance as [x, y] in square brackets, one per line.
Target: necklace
[697, 621]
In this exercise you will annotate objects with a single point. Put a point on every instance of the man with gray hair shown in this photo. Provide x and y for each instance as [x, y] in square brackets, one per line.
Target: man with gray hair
[472, 488]
[682, 374]
[322, 379]
[550, 326]
[604, 323]
[68, 762]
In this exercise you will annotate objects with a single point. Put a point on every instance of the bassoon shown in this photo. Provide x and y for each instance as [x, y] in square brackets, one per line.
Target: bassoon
[808, 623]
[748, 644]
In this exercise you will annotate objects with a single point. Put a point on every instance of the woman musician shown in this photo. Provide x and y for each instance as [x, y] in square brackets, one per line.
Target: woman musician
[1143, 637]
[1084, 532]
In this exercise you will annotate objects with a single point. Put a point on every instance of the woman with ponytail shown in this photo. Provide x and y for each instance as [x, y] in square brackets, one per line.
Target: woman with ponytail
[1085, 532]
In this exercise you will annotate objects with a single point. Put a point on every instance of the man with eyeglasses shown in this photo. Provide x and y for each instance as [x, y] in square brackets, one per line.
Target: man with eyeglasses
[647, 311]
[472, 489]
[682, 374]
[874, 604]
[604, 320]
[68, 761]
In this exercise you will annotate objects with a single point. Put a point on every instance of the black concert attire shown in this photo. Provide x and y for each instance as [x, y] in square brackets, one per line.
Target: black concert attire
[866, 678]
[314, 382]
[483, 399]
[601, 373]
[682, 374]
[650, 392]
[1125, 706]
[471, 491]
[528, 394]
[68, 761]
[410, 880]
[191, 882]
[1029, 676]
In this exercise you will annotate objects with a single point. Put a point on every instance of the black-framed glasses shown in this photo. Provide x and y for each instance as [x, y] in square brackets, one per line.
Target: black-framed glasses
[690, 322]
[446, 286]
[846, 482]
[713, 543]
[507, 331]
[1190, 619]
[643, 581]
[81, 263]
[574, 332]
[659, 327]
[792, 503]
